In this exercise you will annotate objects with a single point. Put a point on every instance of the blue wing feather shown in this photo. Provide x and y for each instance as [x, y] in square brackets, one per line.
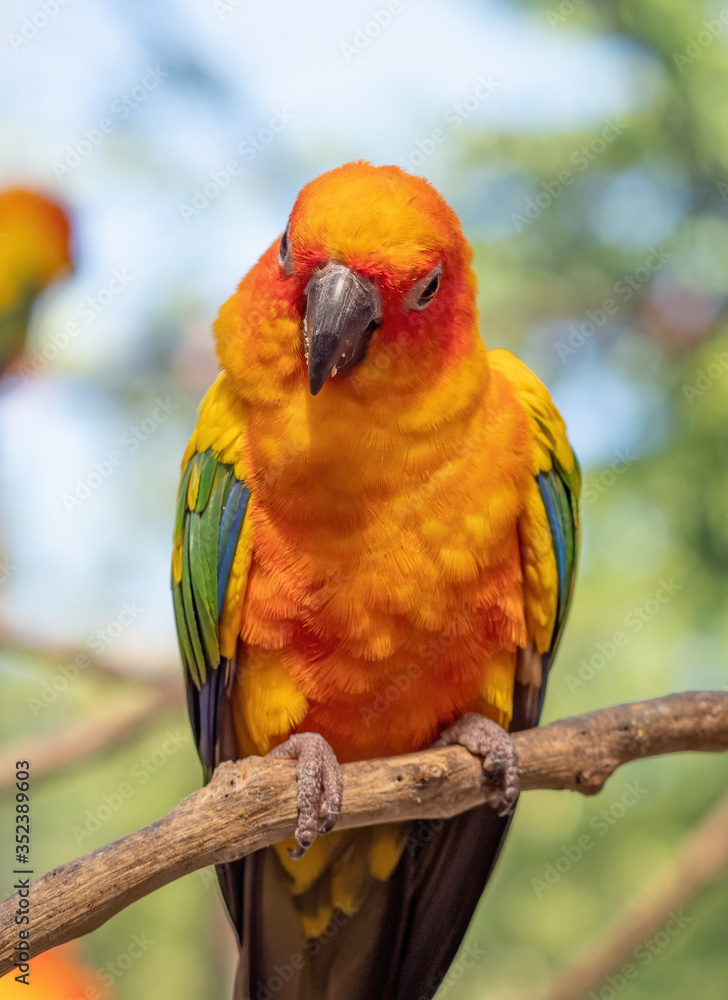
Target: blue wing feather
[560, 506]
[230, 528]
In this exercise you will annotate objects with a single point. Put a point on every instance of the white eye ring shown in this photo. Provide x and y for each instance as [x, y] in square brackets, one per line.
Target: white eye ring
[422, 294]
[285, 257]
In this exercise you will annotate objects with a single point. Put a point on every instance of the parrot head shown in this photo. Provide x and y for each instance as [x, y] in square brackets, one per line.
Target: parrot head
[34, 242]
[371, 280]
[34, 252]
[374, 251]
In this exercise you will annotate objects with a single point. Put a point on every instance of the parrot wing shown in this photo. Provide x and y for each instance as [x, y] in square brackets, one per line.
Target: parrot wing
[549, 532]
[212, 555]
[558, 491]
[211, 510]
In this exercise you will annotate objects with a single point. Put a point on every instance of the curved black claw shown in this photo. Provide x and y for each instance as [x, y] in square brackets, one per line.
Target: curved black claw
[486, 739]
[320, 786]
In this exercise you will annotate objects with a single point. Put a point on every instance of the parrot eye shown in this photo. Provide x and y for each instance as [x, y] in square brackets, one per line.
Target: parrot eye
[284, 254]
[425, 290]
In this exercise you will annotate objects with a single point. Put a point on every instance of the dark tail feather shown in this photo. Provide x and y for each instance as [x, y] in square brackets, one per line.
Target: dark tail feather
[441, 879]
[401, 942]
[397, 946]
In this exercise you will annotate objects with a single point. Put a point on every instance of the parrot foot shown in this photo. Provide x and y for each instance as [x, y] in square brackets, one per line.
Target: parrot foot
[485, 738]
[320, 786]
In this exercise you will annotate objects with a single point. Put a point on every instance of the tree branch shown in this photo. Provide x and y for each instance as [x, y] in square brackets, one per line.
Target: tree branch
[251, 804]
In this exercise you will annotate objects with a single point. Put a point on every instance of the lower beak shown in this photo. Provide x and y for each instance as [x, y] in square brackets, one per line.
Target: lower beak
[343, 309]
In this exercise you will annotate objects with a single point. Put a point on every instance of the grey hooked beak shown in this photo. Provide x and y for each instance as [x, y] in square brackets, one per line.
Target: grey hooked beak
[343, 309]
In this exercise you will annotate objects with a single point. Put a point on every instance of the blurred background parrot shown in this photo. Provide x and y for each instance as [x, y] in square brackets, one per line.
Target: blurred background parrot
[371, 502]
[35, 251]
[58, 974]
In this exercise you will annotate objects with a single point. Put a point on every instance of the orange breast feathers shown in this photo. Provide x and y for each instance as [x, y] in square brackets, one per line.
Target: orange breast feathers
[384, 596]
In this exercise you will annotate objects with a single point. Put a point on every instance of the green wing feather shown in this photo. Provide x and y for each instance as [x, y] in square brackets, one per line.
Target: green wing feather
[207, 534]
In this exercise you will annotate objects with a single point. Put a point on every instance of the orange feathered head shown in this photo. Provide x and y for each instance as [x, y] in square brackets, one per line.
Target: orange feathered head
[372, 274]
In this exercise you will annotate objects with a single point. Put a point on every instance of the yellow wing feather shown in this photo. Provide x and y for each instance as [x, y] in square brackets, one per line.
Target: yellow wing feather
[540, 578]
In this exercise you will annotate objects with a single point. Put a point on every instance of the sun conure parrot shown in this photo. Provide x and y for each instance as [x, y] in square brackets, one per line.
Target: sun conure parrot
[371, 502]
[34, 251]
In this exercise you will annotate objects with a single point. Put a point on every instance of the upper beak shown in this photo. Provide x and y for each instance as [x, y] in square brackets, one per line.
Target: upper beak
[342, 311]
